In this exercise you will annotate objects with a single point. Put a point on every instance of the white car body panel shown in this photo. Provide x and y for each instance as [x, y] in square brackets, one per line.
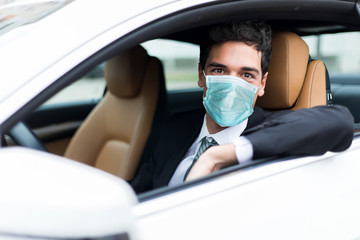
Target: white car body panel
[306, 198]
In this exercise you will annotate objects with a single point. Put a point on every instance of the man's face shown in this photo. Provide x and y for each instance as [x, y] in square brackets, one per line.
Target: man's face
[236, 59]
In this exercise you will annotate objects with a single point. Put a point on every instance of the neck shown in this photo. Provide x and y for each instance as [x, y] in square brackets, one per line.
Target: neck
[212, 126]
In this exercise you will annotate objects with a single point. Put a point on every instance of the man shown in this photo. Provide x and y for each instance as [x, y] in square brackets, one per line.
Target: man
[233, 73]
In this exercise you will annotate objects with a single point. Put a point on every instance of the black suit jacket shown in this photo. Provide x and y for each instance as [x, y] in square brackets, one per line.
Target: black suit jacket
[311, 131]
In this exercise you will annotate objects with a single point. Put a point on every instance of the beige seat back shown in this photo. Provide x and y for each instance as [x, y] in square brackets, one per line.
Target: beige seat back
[114, 134]
[293, 83]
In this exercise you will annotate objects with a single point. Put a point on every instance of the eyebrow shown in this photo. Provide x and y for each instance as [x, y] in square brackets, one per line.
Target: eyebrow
[215, 64]
[219, 65]
[250, 69]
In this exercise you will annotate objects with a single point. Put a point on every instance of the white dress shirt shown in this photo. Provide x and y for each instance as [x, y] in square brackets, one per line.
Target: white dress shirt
[243, 147]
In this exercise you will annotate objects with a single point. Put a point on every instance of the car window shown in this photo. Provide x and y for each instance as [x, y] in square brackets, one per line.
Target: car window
[180, 61]
[344, 58]
[90, 87]
[343, 64]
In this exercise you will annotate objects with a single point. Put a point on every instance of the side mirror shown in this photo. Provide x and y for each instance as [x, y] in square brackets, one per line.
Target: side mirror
[47, 196]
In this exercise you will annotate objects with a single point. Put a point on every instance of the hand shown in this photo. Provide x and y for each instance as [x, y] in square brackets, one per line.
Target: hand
[212, 160]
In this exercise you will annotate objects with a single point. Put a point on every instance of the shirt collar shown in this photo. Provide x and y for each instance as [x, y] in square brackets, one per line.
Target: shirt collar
[225, 136]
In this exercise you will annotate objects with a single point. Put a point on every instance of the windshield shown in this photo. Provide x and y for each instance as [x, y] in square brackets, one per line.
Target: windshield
[24, 12]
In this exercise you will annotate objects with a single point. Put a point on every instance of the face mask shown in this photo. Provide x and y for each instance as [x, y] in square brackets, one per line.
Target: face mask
[228, 99]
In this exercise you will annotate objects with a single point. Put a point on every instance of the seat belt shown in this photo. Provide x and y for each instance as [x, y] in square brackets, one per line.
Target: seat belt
[329, 96]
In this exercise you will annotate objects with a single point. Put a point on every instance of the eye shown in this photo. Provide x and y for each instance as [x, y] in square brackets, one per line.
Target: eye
[217, 71]
[248, 75]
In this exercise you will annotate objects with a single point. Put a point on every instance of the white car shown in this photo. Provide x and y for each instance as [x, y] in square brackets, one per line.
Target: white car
[52, 56]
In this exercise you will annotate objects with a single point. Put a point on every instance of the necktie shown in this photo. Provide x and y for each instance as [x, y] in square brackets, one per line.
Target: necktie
[205, 144]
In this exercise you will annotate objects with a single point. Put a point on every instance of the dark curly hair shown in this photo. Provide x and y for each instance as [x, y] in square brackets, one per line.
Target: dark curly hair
[252, 33]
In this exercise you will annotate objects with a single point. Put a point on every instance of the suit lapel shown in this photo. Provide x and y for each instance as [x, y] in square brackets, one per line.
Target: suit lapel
[187, 129]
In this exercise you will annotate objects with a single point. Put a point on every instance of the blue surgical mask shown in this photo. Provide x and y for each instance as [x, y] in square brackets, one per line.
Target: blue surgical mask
[228, 99]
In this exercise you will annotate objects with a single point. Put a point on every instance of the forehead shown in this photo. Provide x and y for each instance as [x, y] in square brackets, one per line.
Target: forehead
[234, 54]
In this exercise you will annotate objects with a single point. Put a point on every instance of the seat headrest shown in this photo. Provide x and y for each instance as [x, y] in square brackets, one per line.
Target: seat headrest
[287, 70]
[124, 73]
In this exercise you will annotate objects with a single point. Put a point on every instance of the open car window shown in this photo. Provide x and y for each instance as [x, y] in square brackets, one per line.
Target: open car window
[89, 88]
[180, 61]
[343, 65]
[342, 59]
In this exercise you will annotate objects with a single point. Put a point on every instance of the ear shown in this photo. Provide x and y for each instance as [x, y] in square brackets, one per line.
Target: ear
[201, 81]
[261, 90]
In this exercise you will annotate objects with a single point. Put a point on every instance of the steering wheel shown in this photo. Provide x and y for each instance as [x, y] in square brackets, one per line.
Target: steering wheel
[22, 135]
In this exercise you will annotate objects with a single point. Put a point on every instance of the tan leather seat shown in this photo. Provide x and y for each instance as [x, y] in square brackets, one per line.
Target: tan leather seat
[293, 83]
[114, 134]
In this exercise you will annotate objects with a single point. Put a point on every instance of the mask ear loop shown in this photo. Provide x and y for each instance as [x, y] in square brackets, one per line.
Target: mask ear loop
[205, 81]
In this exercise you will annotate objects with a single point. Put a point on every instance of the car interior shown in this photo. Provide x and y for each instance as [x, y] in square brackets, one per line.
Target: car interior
[108, 141]
[119, 131]
[114, 134]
